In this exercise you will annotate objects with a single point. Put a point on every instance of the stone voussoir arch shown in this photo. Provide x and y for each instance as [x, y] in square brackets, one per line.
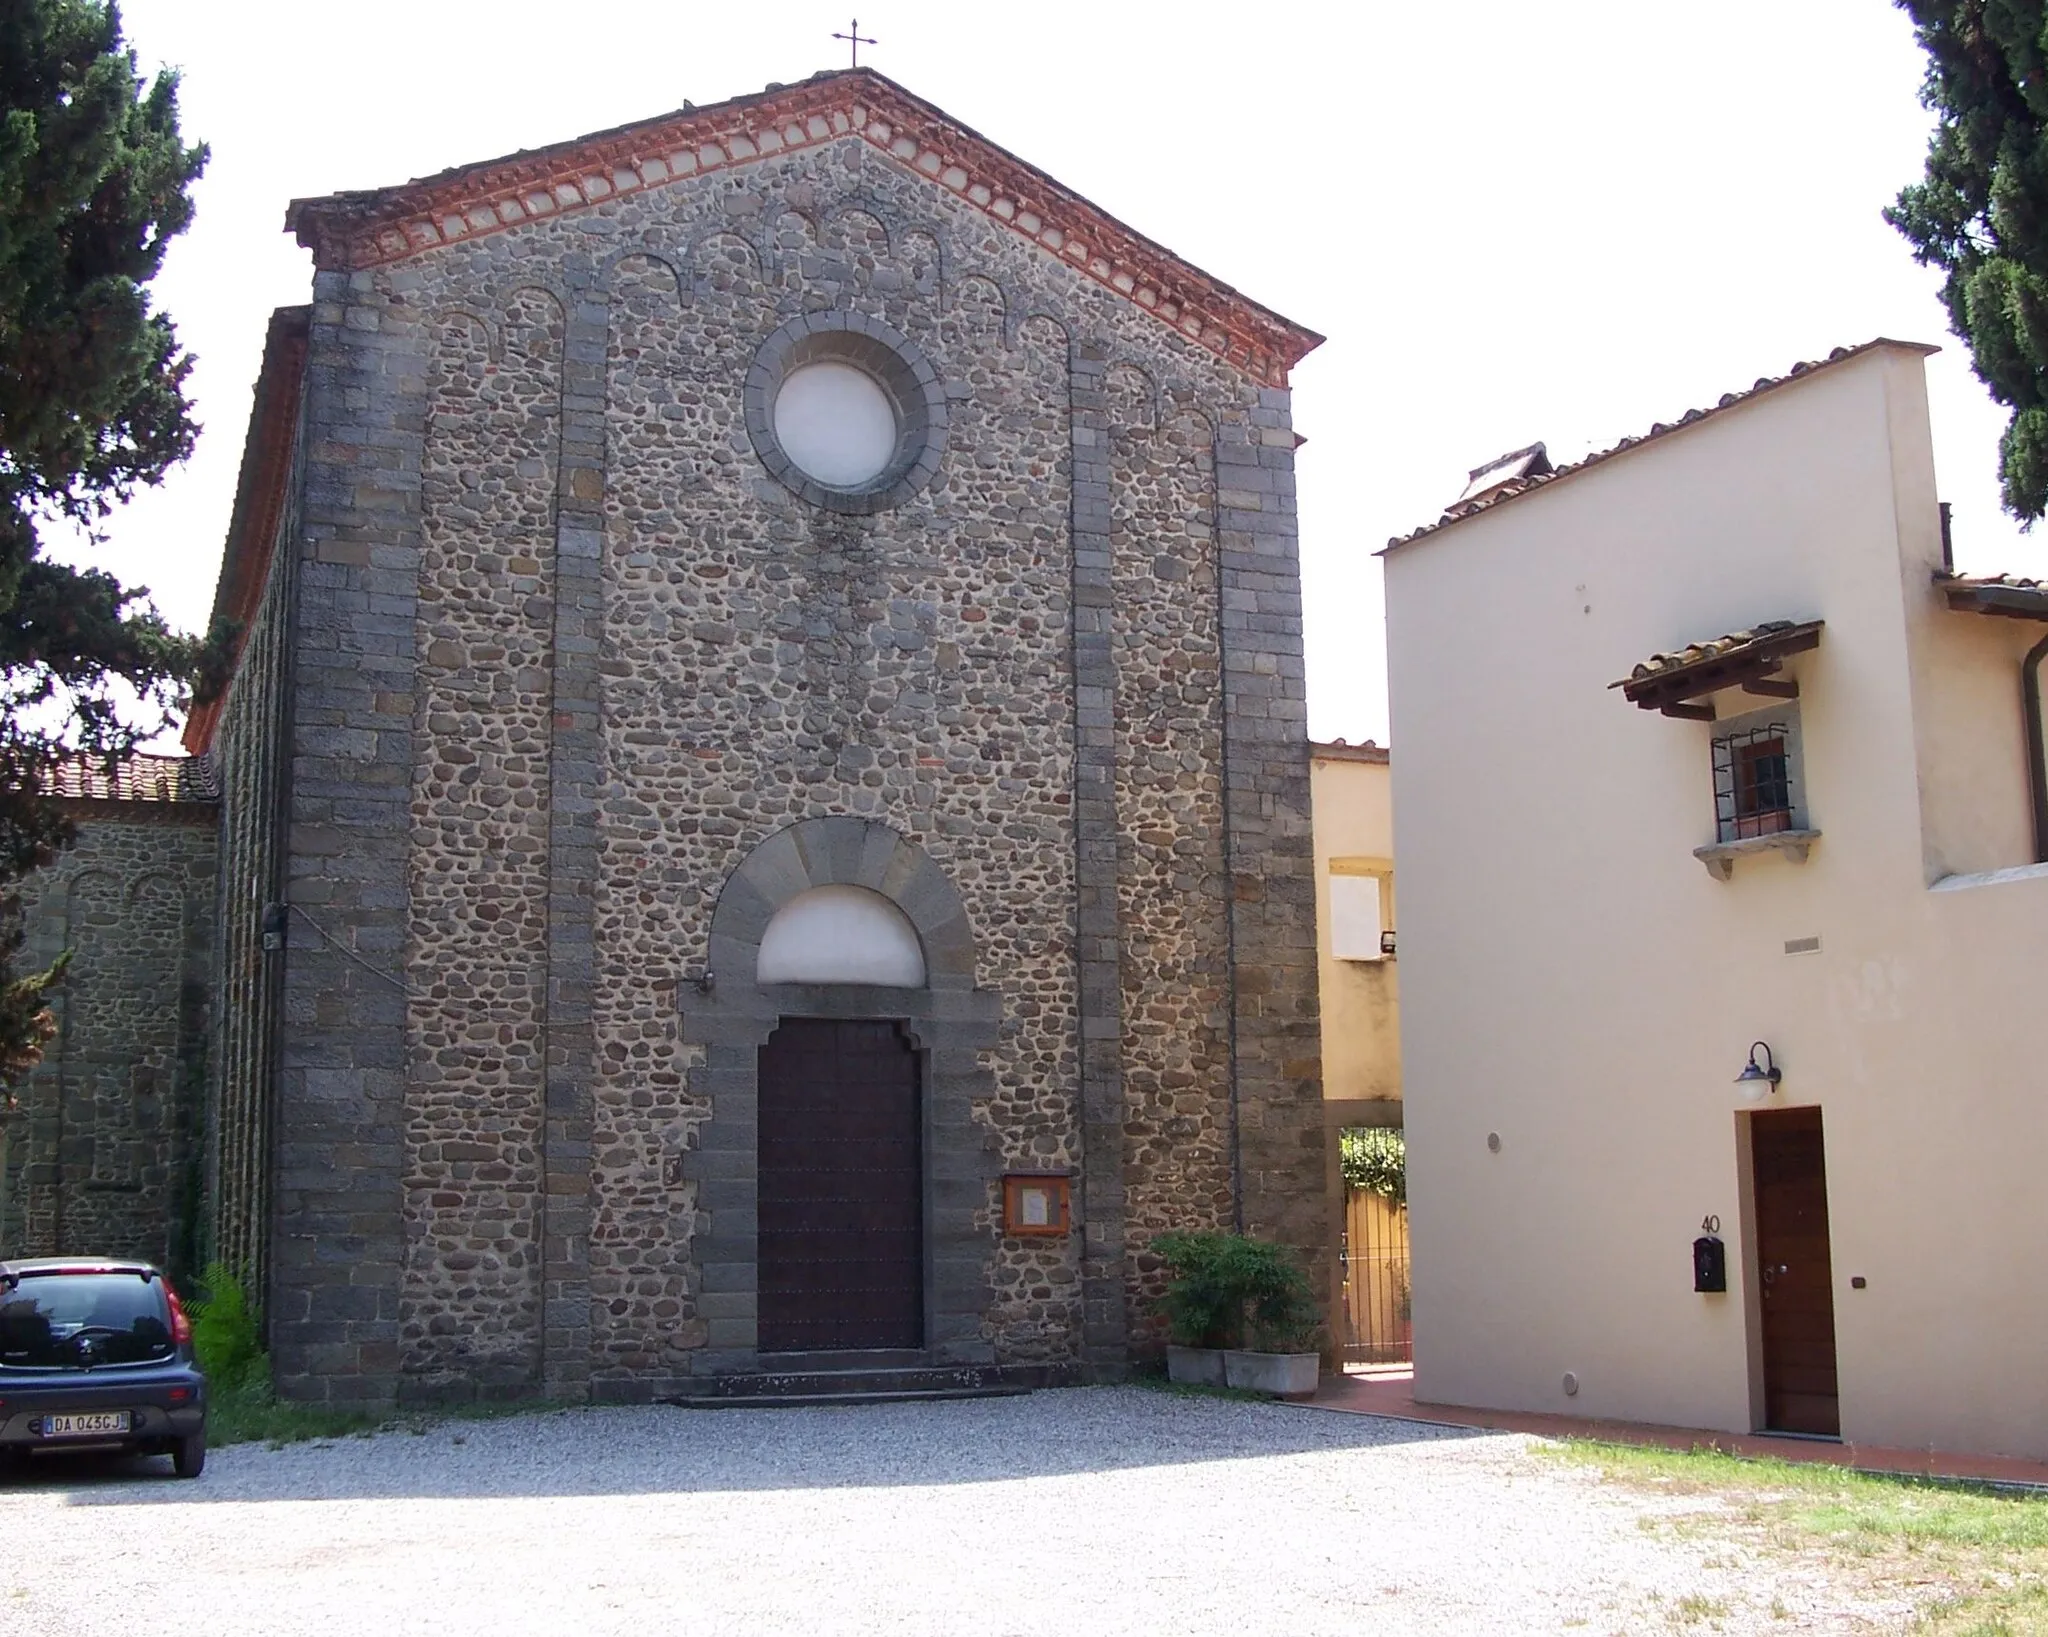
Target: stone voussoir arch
[842, 852]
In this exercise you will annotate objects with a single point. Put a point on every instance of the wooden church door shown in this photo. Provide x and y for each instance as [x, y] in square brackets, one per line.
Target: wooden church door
[841, 1259]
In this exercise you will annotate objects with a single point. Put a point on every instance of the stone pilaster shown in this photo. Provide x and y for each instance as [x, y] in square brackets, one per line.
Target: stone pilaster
[338, 1225]
[1105, 1309]
[1271, 863]
[576, 752]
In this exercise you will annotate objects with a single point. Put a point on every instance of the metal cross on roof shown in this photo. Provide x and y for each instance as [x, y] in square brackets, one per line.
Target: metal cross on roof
[855, 40]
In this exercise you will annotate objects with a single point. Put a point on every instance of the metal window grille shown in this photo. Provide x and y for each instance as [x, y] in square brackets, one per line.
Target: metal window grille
[1753, 782]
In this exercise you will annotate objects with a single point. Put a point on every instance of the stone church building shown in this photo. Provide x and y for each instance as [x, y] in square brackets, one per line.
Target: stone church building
[764, 815]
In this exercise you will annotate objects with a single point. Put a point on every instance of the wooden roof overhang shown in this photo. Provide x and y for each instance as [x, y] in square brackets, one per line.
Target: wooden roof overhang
[1752, 661]
[2012, 599]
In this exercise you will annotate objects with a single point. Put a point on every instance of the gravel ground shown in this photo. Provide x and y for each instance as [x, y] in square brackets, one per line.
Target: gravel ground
[1094, 1511]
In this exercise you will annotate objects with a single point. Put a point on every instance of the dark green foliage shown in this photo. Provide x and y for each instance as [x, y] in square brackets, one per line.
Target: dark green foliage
[1227, 1290]
[1200, 1303]
[1981, 214]
[1375, 1159]
[93, 180]
[224, 1332]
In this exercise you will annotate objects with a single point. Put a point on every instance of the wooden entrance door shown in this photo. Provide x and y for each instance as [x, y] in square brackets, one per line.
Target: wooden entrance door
[841, 1189]
[1794, 1273]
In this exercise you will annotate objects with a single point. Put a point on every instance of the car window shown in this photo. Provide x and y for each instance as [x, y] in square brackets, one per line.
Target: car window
[82, 1321]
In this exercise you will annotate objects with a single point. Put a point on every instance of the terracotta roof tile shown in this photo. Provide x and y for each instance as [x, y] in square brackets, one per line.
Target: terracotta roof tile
[136, 778]
[1487, 497]
[2010, 595]
[1713, 648]
[2012, 582]
[1750, 659]
[1336, 750]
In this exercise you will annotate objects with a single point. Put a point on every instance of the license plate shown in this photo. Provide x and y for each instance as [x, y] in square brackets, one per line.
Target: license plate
[85, 1426]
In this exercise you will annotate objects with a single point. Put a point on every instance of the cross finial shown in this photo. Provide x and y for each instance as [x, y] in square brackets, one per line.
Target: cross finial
[855, 40]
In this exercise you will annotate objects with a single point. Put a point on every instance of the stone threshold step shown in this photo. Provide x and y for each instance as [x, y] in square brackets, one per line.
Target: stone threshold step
[771, 1386]
[790, 1401]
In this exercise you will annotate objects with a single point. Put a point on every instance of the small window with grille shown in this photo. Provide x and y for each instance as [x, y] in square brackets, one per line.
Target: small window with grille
[1756, 776]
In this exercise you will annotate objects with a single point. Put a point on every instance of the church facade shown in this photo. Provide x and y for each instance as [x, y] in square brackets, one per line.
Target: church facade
[764, 813]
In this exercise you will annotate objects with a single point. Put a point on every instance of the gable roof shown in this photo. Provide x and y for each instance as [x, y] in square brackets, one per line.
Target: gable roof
[380, 225]
[1535, 478]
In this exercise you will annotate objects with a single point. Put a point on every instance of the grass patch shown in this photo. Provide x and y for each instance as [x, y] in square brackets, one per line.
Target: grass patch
[250, 1412]
[1971, 1557]
[1188, 1389]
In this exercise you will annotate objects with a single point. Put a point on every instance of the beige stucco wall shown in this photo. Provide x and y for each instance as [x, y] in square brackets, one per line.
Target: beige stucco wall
[1351, 794]
[1351, 799]
[1575, 983]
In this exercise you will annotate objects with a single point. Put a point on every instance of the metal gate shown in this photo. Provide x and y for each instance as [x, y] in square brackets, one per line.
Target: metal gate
[1376, 1329]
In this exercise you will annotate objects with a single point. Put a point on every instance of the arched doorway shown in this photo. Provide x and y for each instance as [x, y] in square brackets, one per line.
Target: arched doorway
[844, 1180]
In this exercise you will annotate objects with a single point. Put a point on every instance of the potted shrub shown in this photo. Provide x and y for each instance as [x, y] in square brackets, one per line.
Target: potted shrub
[1281, 1325]
[1239, 1313]
[1202, 1307]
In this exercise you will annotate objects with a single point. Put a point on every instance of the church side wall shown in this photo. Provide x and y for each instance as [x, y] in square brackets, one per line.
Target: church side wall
[101, 1158]
[1031, 672]
[242, 1061]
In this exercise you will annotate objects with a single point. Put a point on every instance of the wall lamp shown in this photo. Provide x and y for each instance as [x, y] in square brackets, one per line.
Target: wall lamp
[1759, 1080]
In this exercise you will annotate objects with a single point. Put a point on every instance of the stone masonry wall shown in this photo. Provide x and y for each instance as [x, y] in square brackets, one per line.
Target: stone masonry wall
[479, 879]
[1180, 1126]
[629, 658]
[103, 1157]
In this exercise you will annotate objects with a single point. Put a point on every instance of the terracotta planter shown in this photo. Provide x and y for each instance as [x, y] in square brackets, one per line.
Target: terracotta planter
[1195, 1366]
[1284, 1375]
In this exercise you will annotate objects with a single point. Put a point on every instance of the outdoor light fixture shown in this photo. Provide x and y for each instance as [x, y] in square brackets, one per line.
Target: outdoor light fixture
[1759, 1080]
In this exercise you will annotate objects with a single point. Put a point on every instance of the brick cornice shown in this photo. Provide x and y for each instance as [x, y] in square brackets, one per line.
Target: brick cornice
[369, 229]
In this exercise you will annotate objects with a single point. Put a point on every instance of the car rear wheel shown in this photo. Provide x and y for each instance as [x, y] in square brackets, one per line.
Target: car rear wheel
[188, 1456]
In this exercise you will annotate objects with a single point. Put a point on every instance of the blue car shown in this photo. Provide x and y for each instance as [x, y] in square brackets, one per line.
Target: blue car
[96, 1355]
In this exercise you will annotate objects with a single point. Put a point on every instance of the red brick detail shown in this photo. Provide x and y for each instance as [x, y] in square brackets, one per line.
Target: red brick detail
[369, 229]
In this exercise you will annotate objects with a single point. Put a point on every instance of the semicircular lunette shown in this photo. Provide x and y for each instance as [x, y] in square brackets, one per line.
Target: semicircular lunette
[841, 933]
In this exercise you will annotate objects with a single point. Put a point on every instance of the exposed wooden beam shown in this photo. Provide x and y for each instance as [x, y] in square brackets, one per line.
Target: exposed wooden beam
[1691, 713]
[1769, 689]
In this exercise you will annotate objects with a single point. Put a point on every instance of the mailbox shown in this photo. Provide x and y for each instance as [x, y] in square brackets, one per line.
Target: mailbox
[1709, 1264]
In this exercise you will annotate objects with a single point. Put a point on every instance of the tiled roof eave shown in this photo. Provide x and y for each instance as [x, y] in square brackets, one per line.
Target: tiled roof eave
[1463, 510]
[1670, 683]
[140, 780]
[2003, 595]
[259, 501]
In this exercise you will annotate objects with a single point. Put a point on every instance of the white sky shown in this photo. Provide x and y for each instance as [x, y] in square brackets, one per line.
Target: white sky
[1513, 222]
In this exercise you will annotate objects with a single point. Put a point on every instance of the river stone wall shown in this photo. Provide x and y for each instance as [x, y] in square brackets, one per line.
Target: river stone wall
[103, 1156]
[574, 655]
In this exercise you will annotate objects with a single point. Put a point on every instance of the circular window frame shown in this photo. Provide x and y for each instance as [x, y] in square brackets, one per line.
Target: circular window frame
[887, 357]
